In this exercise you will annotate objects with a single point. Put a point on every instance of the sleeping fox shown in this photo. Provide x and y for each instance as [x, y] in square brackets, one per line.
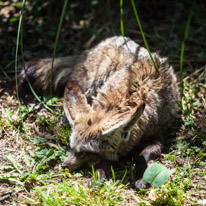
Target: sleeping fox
[114, 100]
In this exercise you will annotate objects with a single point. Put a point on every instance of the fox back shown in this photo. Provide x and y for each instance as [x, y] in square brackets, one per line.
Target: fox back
[113, 98]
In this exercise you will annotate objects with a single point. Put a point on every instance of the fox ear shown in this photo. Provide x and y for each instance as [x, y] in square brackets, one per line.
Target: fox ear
[127, 120]
[75, 102]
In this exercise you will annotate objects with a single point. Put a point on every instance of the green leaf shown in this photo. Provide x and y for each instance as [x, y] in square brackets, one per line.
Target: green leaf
[2, 3]
[162, 177]
[4, 124]
[41, 153]
[24, 111]
[9, 114]
[196, 104]
[38, 140]
[14, 19]
[51, 100]
[14, 162]
[203, 85]
[201, 155]
[6, 167]
[26, 160]
[157, 174]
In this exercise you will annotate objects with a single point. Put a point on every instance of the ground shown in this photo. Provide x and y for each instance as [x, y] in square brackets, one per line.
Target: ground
[32, 141]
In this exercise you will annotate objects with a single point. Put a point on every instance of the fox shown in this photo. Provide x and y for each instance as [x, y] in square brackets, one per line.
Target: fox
[114, 100]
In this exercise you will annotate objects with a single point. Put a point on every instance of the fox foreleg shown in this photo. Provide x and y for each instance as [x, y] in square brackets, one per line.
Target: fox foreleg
[101, 171]
[147, 154]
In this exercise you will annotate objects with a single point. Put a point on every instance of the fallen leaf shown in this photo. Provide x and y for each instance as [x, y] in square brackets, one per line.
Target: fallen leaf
[153, 195]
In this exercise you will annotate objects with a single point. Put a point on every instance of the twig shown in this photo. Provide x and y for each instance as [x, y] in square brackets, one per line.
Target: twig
[171, 140]
[89, 42]
[4, 197]
[36, 129]
[139, 33]
[27, 198]
[190, 61]
[195, 72]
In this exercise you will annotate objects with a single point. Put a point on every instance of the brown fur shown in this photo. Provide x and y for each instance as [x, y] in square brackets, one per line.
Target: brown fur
[114, 97]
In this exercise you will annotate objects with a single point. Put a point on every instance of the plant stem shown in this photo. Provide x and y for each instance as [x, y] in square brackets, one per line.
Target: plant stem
[121, 18]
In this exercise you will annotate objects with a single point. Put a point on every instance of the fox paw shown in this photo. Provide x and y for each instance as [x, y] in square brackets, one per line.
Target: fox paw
[140, 184]
[96, 184]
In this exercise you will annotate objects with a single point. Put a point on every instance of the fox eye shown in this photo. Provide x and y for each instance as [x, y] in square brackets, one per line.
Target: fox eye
[89, 122]
[81, 154]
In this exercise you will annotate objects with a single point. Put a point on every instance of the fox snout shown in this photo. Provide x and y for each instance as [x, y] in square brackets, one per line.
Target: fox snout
[72, 163]
[76, 160]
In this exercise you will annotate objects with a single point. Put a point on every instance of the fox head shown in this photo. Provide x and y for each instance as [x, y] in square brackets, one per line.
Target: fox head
[100, 127]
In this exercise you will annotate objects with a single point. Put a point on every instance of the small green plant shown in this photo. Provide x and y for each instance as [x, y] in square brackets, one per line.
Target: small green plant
[157, 174]
[16, 120]
[30, 169]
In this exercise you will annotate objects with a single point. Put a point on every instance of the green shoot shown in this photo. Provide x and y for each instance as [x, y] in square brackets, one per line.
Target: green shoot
[185, 38]
[56, 41]
[121, 18]
[17, 48]
[143, 36]
[27, 79]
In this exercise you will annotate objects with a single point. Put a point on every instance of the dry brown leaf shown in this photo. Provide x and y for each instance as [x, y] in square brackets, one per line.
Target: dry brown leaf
[153, 195]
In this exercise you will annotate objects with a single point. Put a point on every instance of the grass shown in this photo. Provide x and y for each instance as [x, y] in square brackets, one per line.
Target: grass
[33, 168]
[71, 192]
[33, 143]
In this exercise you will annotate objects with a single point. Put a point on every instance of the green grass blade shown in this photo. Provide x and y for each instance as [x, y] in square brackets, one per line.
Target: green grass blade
[17, 48]
[3, 70]
[56, 41]
[143, 36]
[125, 173]
[14, 162]
[185, 38]
[27, 79]
[94, 175]
[16, 56]
[121, 18]
[4, 73]
[113, 174]
[19, 38]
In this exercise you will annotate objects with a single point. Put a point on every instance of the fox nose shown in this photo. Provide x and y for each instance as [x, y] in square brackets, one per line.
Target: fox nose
[63, 165]
[69, 163]
[68, 166]
[66, 163]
